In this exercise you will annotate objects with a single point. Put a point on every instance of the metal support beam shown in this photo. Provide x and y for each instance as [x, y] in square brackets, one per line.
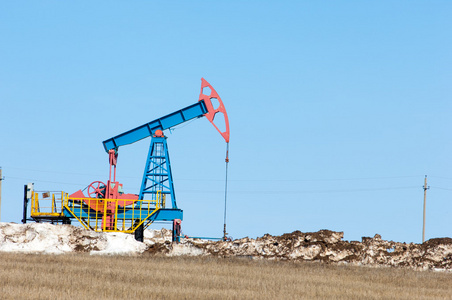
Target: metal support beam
[139, 233]
[28, 189]
[24, 216]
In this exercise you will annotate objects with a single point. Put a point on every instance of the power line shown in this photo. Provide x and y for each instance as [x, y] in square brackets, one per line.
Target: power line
[440, 188]
[52, 172]
[280, 192]
[448, 178]
[256, 180]
[243, 179]
[304, 180]
[48, 181]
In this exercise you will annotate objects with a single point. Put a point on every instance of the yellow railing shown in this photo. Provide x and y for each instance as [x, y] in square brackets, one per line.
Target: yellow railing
[50, 205]
[113, 215]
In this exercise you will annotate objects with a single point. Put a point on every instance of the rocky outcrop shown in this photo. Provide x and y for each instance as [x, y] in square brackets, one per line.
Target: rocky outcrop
[328, 246]
[322, 246]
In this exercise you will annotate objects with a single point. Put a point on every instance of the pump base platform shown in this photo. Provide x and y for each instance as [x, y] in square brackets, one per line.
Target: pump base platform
[107, 215]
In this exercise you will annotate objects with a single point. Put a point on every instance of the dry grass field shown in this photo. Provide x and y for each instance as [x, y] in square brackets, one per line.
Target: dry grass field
[81, 276]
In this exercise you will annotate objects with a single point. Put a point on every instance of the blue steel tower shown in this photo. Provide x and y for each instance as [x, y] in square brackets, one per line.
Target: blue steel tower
[157, 176]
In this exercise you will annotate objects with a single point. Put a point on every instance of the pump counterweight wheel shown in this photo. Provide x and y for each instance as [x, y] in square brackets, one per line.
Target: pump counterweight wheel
[96, 189]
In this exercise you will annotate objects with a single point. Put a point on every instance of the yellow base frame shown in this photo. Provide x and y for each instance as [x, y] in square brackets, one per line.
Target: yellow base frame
[90, 211]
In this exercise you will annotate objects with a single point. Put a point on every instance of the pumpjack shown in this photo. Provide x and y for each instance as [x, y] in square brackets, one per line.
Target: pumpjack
[107, 208]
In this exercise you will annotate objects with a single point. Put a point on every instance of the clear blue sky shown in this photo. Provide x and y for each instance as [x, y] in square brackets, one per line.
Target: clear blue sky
[337, 109]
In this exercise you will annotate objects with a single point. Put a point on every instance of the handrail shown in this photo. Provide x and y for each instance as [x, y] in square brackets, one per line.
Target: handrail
[40, 209]
[114, 215]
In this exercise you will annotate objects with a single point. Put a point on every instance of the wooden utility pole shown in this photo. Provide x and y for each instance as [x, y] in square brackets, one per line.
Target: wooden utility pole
[425, 201]
[1, 179]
